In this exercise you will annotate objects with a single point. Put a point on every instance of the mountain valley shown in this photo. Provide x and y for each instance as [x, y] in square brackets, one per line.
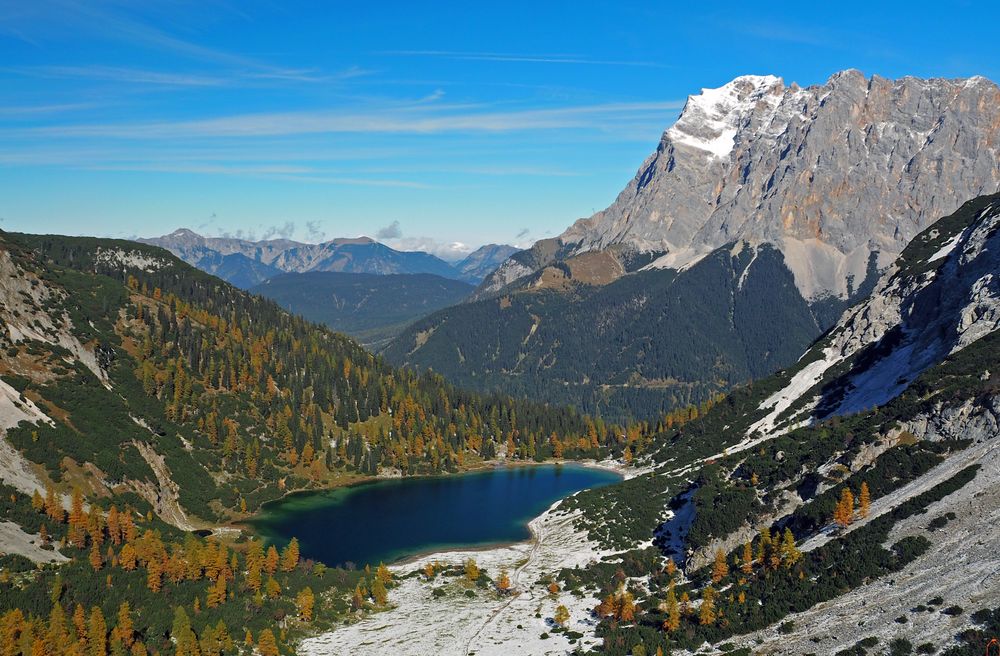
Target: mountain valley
[756, 402]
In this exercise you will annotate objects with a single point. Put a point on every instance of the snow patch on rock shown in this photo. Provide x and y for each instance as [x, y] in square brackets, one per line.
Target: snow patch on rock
[711, 120]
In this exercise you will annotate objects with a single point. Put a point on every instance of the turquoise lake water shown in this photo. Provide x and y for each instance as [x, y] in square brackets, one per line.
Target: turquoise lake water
[388, 520]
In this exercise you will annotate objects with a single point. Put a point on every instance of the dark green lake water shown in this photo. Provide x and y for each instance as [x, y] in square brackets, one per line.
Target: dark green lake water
[388, 520]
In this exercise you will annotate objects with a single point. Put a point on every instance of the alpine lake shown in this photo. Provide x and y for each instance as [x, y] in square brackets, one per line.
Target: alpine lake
[393, 519]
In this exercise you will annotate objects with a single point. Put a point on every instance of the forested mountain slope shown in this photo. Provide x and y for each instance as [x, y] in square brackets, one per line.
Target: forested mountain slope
[371, 308]
[848, 502]
[639, 346]
[141, 399]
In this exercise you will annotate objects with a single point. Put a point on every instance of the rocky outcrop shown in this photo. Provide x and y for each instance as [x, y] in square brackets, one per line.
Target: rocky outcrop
[939, 297]
[832, 175]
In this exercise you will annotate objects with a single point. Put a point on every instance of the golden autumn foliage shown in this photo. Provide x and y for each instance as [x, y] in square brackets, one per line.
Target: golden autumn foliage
[720, 569]
[864, 501]
[843, 514]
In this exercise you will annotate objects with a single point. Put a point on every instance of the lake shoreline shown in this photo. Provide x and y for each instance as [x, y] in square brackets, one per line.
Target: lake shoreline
[398, 538]
[245, 525]
[478, 624]
[534, 535]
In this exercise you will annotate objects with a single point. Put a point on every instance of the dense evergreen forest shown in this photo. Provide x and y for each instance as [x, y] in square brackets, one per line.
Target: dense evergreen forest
[642, 345]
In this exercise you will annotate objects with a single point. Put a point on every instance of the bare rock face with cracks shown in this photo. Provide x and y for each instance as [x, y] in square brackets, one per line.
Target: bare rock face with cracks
[831, 175]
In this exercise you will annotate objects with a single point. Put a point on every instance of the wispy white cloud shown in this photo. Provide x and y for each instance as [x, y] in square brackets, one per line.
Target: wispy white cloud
[29, 111]
[450, 251]
[31, 21]
[524, 58]
[138, 76]
[123, 75]
[415, 119]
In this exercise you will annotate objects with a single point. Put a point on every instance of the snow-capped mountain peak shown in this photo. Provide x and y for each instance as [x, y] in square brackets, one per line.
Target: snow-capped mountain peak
[711, 120]
[837, 176]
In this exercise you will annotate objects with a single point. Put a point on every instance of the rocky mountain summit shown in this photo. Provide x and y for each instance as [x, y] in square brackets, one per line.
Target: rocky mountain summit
[832, 175]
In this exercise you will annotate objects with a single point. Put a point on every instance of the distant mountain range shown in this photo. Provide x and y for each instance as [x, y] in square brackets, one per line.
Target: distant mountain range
[247, 263]
[371, 308]
[764, 212]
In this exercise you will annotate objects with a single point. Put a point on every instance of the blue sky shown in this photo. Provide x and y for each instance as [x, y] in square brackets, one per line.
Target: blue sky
[424, 123]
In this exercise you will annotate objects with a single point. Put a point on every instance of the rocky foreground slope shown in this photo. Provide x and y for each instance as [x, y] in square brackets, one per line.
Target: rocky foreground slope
[900, 401]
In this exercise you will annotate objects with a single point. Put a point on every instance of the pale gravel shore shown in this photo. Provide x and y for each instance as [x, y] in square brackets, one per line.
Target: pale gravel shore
[456, 625]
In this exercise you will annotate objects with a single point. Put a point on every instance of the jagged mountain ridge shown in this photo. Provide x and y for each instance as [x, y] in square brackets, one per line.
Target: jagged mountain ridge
[829, 174]
[246, 263]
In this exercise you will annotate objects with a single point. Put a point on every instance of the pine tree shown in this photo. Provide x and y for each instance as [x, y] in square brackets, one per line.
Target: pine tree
[503, 582]
[305, 602]
[216, 592]
[720, 569]
[11, 626]
[561, 616]
[864, 501]
[96, 561]
[379, 594]
[747, 566]
[843, 514]
[626, 606]
[154, 575]
[357, 598]
[290, 556]
[763, 546]
[97, 633]
[77, 521]
[383, 574]
[267, 645]
[706, 614]
[790, 554]
[80, 622]
[271, 561]
[53, 506]
[673, 621]
[127, 558]
[37, 502]
[471, 571]
[685, 604]
[124, 630]
[183, 635]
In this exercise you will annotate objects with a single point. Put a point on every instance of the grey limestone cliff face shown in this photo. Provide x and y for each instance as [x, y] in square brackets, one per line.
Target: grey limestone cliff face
[829, 174]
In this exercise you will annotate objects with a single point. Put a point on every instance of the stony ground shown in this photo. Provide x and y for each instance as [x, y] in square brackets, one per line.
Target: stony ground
[962, 567]
[486, 623]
